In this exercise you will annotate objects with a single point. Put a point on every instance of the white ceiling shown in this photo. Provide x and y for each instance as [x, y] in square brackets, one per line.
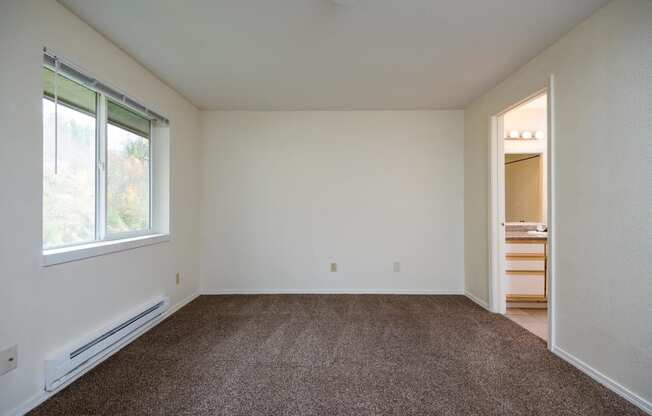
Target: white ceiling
[332, 54]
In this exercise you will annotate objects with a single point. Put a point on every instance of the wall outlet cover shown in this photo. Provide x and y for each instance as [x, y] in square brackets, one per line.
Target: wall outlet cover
[8, 359]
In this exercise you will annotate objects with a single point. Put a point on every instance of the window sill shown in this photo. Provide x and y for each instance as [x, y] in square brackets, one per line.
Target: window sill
[68, 254]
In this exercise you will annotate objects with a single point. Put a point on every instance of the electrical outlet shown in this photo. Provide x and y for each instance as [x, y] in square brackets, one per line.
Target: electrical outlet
[8, 359]
[397, 266]
[333, 267]
[178, 278]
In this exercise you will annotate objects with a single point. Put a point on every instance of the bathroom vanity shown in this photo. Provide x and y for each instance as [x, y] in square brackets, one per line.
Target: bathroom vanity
[525, 263]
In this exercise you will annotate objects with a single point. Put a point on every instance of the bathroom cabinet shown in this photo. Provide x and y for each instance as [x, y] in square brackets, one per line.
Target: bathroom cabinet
[525, 270]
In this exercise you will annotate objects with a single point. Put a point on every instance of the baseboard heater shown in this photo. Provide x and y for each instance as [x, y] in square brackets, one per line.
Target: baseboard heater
[78, 357]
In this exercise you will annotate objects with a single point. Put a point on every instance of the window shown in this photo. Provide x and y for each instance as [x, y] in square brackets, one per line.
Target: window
[97, 165]
[128, 172]
[69, 208]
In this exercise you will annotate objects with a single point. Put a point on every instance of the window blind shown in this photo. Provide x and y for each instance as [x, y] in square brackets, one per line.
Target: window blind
[127, 119]
[72, 72]
[69, 92]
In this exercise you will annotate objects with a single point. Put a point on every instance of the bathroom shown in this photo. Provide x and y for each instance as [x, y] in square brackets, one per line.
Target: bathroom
[526, 206]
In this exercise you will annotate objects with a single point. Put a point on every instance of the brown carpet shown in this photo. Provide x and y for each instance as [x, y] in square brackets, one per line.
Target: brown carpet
[335, 355]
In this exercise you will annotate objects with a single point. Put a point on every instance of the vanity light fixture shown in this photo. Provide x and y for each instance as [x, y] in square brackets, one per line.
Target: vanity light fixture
[539, 134]
[526, 135]
[514, 134]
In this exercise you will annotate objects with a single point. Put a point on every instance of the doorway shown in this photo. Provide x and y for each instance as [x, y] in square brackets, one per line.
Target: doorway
[520, 243]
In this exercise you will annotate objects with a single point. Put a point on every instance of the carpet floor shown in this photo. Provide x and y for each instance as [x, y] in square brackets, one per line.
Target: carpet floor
[335, 355]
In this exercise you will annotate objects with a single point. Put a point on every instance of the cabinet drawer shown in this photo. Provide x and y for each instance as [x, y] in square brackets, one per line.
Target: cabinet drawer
[525, 248]
[525, 264]
[525, 285]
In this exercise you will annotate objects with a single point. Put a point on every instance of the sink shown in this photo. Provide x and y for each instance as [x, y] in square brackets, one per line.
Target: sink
[539, 233]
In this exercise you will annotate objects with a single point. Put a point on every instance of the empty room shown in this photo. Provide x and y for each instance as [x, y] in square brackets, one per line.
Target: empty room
[326, 207]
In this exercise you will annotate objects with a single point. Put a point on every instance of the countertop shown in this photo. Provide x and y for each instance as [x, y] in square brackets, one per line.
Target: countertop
[519, 231]
[524, 235]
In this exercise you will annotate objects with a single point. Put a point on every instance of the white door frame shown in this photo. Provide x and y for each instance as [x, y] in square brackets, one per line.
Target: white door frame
[497, 301]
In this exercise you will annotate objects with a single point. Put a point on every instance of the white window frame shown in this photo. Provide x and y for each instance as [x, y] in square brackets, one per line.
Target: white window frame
[102, 233]
[105, 242]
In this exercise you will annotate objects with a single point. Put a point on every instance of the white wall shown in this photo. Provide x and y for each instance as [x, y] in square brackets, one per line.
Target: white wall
[284, 194]
[603, 188]
[42, 309]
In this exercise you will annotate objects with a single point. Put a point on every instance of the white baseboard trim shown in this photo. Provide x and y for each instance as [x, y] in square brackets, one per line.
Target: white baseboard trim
[476, 299]
[330, 292]
[39, 398]
[601, 378]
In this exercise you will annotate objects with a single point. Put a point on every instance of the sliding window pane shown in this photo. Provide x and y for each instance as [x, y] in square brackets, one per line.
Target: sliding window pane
[127, 199]
[68, 174]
